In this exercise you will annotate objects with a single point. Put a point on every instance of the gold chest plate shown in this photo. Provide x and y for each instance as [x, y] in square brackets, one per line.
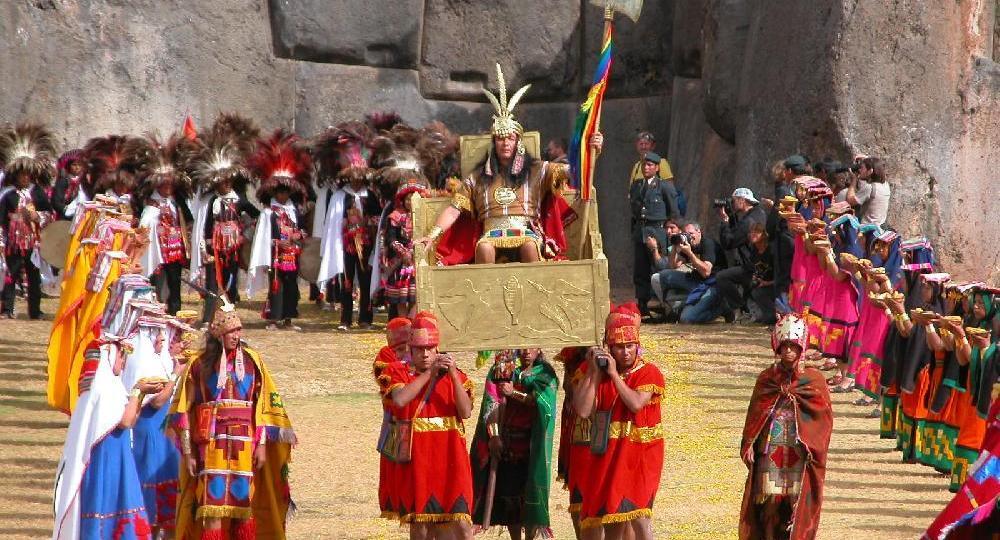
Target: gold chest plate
[504, 196]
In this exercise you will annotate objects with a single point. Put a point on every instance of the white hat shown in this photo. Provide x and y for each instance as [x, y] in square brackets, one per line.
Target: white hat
[745, 193]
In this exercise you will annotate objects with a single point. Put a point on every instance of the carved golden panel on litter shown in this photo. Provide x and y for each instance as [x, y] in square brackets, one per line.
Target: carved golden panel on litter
[505, 306]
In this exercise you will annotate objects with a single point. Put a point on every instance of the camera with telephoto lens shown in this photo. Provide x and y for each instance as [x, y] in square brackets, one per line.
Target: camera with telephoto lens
[726, 204]
[679, 238]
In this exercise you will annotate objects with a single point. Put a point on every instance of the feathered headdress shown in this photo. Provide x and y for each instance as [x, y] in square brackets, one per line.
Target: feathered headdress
[105, 156]
[395, 159]
[437, 149]
[28, 148]
[504, 123]
[381, 121]
[156, 161]
[280, 160]
[240, 131]
[342, 151]
[221, 152]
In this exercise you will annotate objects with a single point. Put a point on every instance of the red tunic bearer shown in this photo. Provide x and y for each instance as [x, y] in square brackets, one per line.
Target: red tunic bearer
[431, 400]
[620, 394]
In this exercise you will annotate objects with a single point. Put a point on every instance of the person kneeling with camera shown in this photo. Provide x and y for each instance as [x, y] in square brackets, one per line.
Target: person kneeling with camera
[617, 396]
[686, 286]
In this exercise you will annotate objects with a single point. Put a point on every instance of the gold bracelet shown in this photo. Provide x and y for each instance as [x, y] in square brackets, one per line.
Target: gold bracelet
[136, 393]
[520, 396]
[186, 442]
[435, 233]
[493, 430]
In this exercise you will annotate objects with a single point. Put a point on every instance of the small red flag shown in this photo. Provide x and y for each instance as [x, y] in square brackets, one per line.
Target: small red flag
[190, 132]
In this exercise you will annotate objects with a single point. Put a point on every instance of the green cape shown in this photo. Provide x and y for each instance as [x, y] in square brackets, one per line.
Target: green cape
[540, 382]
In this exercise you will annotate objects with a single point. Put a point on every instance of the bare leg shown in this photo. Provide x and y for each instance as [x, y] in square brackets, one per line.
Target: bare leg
[641, 529]
[593, 533]
[616, 531]
[418, 531]
[485, 253]
[461, 530]
[514, 531]
[528, 252]
[212, 524]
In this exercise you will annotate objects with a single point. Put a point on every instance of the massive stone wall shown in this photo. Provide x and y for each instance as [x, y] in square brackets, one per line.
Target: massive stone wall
[727, 85]
[915, 82]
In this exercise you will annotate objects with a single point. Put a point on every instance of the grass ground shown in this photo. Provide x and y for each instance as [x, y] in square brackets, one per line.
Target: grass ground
[328, 389]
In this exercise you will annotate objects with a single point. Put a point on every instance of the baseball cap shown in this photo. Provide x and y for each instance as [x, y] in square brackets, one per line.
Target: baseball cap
[745, 193]
[652, 156]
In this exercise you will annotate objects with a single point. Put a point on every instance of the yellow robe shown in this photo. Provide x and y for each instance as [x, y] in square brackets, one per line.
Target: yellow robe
[271, 493]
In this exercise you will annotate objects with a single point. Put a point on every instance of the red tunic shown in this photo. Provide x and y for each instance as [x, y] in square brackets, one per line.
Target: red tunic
[435, 486]
[388, 471]
[621, 483]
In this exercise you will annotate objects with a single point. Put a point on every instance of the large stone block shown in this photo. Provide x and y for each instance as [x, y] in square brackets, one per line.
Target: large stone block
[928, 99]
[702, 161]
[786, 86]
[89, 68]
[687, 43]
[725, 36]
[462, 42]
[641, 50]
[383, 33]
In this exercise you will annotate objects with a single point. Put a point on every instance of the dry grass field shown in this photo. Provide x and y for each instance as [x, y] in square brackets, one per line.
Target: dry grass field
[328, 389]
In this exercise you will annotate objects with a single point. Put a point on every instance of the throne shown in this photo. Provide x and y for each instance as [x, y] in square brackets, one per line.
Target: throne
[515, 305]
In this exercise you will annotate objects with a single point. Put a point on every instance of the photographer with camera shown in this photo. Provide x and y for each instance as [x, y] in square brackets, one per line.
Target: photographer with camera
[869, 190]
[620, 393]
[434, 474]
[737, 217]
[691, 264]
[653, 200]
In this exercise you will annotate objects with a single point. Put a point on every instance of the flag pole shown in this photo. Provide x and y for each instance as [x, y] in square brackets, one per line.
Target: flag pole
[586, 198]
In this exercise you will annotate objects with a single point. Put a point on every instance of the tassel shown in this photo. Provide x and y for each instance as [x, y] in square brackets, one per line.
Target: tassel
[212, 534]
[223, 371]
[246, 530]
[240, 365]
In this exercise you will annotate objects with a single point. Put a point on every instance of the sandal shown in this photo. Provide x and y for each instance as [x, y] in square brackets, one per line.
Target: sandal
[271, 326]
[876, 413]
[843, 389]
[864, 402]
[835, 380]
[830, 363]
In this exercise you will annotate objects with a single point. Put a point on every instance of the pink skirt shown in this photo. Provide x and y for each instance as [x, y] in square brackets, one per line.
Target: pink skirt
[868, 347]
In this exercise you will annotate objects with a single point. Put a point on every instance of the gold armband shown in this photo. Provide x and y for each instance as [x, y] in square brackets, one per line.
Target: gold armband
[520, 396]
[461, 202]
[136, 393]
[186, 442]
[493, 430]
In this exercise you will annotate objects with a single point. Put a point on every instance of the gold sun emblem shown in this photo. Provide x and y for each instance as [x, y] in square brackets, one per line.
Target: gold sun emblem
[504, 196]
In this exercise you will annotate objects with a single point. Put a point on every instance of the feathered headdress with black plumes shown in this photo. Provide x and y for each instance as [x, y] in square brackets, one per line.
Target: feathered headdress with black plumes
[28, 148]
[157, 161]
[437, 149]
[342, 152]
[222, 151]
[281, 160]
[104, 156]
[395, 160]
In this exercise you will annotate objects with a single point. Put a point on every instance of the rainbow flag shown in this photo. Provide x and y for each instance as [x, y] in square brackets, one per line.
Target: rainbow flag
[581, 160]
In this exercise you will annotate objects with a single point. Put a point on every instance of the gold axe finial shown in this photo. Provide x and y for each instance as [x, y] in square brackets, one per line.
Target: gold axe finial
[629, 8]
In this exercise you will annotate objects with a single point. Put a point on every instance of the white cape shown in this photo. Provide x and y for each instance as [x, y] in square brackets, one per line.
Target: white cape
[98, 412]
[262, 253]
[198, 204]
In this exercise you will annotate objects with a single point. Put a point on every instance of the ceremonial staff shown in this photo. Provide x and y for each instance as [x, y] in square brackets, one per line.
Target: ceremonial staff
[582, 156]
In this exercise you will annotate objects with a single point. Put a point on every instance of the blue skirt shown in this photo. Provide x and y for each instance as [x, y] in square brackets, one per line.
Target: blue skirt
[157, 461]
[111, 503]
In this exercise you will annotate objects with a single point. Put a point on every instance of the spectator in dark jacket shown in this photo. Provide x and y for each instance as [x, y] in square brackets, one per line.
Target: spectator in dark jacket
[734, 237]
